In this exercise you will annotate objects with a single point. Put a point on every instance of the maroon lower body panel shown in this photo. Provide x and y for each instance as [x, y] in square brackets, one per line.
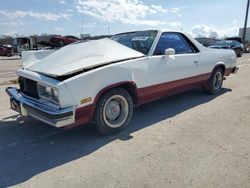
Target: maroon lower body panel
[158, 91]
[229, 71]
[82, 115]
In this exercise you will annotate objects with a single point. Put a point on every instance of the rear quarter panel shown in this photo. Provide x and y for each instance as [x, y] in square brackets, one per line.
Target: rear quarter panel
[210, 58]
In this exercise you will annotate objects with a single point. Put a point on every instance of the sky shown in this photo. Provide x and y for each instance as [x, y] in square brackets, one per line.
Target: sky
[215, 18]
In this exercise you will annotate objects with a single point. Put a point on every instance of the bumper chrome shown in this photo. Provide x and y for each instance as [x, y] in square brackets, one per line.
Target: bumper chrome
[26, 106]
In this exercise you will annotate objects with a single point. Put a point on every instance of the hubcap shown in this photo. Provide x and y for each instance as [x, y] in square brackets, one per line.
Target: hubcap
[115, 111]
[217, 80]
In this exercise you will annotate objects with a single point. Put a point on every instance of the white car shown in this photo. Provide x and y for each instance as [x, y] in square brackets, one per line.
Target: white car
[101, 81]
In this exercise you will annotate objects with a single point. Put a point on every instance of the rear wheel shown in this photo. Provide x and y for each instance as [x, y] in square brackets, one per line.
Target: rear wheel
[214, 84]
[240, 53]
[114, 111]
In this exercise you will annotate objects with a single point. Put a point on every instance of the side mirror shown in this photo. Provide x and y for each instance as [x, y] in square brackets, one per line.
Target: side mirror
[169, 51]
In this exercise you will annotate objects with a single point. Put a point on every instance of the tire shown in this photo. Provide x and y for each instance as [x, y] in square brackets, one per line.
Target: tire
[114, 111]
[8, 54]
[214, 84]
[240, 53]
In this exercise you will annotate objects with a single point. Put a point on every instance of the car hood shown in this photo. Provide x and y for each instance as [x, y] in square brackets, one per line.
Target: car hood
[85, 55]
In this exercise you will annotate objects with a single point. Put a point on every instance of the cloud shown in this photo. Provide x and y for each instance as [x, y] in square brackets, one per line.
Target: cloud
[133, 12]
[88, 25]
[203, 30]
[174, 10]
[232, 31]
[61, 1]
[69, 10]
[212, 32]
[235, 22]
[13, 23]
[58, 29]
[175, 24]
[11, 34]
[41, 16]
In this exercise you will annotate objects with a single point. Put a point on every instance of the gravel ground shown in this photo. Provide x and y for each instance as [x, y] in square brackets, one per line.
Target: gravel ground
[187, 140]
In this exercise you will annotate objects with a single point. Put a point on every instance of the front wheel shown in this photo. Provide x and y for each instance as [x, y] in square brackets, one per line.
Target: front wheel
[114, 111]
[214, 84]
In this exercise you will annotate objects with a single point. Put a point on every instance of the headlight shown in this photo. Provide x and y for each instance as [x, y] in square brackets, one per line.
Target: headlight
[48, 93]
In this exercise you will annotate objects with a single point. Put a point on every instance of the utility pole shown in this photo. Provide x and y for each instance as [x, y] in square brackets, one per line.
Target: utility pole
[108, 30]
[245, 26]
[82, 24]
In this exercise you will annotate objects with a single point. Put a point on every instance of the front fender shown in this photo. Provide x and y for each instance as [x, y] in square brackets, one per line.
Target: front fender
[92, 83]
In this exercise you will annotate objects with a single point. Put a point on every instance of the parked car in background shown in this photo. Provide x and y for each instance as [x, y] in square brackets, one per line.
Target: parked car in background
[57, 41]
[247, 48]
[230, 44]
[21, 44]
[5, 51]
[60, 41]
[239, 39]
[102, 80]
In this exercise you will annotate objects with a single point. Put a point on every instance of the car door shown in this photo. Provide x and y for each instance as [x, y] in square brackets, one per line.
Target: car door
[182, 65]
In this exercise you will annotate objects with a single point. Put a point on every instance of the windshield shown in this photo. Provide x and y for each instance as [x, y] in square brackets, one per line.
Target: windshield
[223, 43]
[140, 41]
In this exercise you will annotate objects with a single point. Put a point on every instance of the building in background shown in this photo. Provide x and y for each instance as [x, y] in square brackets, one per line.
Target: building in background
[247, 34]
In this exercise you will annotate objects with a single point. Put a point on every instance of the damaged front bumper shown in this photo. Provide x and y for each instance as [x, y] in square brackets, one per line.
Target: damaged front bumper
[27, 106]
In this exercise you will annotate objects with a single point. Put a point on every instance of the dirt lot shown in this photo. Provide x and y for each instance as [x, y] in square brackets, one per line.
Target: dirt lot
[188, 140]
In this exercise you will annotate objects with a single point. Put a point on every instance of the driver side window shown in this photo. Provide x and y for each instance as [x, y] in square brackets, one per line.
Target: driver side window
[176, 41]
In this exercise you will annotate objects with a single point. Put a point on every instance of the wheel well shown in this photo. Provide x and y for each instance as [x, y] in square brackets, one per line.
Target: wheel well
[130, 87]
[220, 66]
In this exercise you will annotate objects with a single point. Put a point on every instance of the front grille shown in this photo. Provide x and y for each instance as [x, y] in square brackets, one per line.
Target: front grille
[28, 87]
